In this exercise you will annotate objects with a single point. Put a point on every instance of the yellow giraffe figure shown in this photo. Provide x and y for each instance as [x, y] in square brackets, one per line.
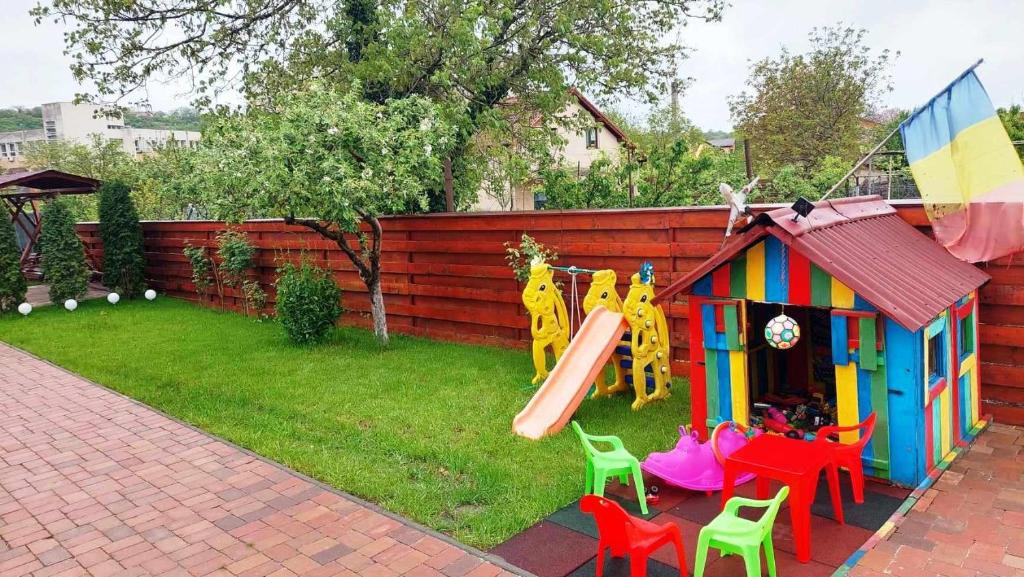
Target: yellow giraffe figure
[602, 293]
[549, 321]
[650, 342]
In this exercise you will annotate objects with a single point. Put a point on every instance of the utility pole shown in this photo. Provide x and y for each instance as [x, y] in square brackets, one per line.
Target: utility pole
[449, 185]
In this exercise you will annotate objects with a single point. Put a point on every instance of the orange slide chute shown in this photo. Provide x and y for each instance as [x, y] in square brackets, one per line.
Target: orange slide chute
[581, 364]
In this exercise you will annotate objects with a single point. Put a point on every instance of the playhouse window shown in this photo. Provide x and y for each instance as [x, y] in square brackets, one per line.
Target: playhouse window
[965, 336]
[936, 357]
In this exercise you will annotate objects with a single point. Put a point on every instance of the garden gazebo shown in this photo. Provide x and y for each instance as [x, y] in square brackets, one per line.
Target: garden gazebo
[21, 193]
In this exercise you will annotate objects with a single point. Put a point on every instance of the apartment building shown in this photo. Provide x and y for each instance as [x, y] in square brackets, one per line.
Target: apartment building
[70, 122]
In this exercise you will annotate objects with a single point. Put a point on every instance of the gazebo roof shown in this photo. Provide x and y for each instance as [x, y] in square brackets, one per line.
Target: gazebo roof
[46, 183]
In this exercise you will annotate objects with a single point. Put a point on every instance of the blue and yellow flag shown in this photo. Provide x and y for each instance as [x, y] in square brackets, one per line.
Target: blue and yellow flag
[970, 177]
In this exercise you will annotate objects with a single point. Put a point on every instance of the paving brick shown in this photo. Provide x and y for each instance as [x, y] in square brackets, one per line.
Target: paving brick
[96, 485]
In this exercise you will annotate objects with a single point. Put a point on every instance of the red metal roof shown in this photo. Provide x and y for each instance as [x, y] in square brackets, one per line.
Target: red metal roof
[862, 242]
[52, 181]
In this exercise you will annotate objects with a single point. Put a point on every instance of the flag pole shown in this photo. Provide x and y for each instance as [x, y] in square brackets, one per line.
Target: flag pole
[878, 146]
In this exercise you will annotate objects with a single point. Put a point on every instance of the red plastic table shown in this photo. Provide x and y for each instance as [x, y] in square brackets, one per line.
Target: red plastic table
[792, 462]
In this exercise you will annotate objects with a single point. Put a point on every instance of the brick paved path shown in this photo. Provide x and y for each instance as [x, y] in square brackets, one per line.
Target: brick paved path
[969, 524]
[92, 483]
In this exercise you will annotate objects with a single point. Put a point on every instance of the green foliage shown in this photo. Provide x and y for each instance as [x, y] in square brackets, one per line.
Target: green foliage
[235, 260]
[101, 159]
[800, 108]
[790, 182]
[521, 257]
[326, 154]
[202, 268]
[62, 253]
[124, 262]
[603, 186]
[21, 119]
[12, 283]
[308, 302]
[180, 119]
[230, 268]
[1013, 120]
[681, 174]
[236, 256]
[162, 182]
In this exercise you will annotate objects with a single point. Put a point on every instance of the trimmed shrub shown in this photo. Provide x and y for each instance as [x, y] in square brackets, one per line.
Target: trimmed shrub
[12, 283]
[123, 260]
[308, 302]
[62, 254]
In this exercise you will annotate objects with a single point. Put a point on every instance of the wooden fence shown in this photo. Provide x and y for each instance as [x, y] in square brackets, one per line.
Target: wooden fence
[445, 275]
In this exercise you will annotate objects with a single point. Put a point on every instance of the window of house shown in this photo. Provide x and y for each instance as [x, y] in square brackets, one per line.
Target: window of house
[51, 129]
[965, 335]
[936, 357]
[592, 137]
[3, 149]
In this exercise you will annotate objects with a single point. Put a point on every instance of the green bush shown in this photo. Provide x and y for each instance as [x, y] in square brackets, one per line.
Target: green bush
[308, 302]
[12, 283]
[201, 268]
[63, 257]
[123, 259]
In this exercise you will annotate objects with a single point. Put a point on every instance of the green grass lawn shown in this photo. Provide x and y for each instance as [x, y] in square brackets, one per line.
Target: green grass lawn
[422, 428]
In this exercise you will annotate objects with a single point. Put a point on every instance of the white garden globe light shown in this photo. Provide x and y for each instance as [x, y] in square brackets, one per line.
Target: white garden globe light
[71, 304]
[113, 298]
[150, 294]
[24, 308]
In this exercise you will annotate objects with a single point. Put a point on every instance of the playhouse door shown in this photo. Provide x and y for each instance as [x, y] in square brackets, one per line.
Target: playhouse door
[725, 361]
[861, 387]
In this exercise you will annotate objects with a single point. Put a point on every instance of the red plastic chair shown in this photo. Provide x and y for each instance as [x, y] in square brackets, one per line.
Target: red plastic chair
[628, 535]
[849, 456]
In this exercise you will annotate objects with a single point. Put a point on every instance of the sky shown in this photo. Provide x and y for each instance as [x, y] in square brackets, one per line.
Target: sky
[937, 39]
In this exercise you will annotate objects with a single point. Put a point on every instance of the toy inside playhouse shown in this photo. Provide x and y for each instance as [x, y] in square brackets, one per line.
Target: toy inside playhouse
[793, 390]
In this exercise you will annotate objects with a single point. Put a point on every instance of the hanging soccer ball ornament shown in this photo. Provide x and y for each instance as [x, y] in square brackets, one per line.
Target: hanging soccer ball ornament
[782, 332]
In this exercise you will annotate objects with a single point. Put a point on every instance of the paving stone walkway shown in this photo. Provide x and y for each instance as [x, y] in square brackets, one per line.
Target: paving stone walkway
[94, 484]
[970, 523]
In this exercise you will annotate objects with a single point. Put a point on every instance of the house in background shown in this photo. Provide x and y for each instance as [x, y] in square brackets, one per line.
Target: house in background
[70, 122]
[602, 138]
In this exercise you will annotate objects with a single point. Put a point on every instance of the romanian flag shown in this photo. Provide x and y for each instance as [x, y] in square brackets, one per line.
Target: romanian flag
[970, 177]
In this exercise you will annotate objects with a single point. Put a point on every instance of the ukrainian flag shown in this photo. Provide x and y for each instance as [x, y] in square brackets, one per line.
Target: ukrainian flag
[969, 175]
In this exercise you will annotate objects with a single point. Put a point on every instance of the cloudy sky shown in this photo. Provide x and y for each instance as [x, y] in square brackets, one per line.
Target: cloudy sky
[936, 38]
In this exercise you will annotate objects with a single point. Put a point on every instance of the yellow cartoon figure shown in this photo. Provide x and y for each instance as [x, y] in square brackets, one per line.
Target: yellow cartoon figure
[549, 321]
[649, 330]
[602, 293]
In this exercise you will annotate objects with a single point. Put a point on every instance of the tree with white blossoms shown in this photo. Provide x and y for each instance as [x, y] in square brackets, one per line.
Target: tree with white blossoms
[332, 162]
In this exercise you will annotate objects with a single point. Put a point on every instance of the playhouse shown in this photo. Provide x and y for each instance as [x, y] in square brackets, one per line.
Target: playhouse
[887, 324]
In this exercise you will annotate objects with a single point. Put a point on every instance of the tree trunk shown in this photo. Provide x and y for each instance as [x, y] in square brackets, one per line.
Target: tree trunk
[380, 322]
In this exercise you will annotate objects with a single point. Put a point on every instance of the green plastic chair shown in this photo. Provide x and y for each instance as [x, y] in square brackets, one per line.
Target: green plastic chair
[730, 533]
[615, 463]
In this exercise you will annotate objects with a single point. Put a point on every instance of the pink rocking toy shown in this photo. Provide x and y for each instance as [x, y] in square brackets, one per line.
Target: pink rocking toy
[695, 465]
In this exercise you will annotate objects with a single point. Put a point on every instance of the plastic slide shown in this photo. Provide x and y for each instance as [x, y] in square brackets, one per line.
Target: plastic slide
[581, 363]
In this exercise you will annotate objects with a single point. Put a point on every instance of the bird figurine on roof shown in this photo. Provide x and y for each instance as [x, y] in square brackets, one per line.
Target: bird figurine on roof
[737, 202]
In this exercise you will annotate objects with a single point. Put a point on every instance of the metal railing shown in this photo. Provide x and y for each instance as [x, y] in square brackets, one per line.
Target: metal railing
[886, 174]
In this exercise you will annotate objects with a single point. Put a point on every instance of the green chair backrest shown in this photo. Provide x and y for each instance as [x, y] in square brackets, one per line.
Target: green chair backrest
[588, 447]
[767, 520]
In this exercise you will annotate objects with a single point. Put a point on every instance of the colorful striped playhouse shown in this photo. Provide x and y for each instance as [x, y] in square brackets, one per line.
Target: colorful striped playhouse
[888, 323]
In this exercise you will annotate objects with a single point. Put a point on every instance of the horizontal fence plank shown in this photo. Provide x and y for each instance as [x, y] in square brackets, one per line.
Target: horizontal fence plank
[445, 276]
